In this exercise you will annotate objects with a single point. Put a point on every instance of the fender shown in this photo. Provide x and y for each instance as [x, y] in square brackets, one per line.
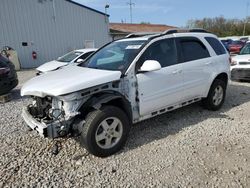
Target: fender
[97, 102]
[99, 99]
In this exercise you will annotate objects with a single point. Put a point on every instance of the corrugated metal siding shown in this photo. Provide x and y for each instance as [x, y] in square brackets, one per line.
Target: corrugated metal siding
[33, 22]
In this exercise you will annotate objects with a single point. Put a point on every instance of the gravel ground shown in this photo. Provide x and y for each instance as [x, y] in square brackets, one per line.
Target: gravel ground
[189, 147]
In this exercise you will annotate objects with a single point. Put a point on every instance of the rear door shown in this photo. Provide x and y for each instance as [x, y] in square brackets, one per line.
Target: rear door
[195, 65]
[158, 89]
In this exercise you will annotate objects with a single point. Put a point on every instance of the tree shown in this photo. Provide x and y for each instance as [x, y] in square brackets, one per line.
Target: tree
[221, 26]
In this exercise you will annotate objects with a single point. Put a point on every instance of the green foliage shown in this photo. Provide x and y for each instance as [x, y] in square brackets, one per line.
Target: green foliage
[221, 26]
[145, 22]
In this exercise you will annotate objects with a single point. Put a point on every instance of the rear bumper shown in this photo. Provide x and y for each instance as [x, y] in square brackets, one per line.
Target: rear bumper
[45, 130]
[239, 73]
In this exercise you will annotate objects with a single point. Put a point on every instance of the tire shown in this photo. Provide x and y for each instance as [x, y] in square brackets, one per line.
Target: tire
[212, 102]
[105, 131]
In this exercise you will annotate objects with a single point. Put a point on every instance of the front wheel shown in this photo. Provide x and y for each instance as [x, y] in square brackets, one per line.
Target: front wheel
[216, 95]
[105, 131]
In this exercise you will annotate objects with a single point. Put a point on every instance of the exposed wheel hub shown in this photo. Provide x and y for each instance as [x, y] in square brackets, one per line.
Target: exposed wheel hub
[108, 133]
[218, 95]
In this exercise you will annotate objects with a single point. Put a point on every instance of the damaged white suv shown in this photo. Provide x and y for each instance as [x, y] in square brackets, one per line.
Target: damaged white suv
[125, 82]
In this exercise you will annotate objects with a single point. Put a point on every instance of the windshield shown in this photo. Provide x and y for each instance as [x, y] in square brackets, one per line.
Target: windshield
[245, 50]
[115, 56]
[69, 56]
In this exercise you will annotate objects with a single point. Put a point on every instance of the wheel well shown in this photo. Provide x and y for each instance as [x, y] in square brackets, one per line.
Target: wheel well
[223, 77]
[107, 99]
[122, 104]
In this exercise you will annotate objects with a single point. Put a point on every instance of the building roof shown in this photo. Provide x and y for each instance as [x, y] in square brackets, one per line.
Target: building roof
[81, 5]
[134, 28]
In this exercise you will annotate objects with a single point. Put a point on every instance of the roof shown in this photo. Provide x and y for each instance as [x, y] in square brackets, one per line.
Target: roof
[178, 34]
[81, 5]
[133, 28]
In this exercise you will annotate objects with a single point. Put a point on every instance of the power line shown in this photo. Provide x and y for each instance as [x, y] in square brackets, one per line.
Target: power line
[130, 3]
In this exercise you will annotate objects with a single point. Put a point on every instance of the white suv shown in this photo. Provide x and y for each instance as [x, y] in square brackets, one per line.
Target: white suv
[125, 82]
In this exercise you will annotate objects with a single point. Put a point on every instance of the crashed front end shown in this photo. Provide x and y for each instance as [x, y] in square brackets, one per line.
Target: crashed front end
[57, 98]
[51, 116]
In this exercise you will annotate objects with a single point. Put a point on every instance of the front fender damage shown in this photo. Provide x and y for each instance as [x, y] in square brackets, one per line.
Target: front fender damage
[59, 116]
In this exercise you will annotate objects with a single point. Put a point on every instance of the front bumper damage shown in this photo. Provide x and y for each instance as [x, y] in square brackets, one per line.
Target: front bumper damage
[51, 130]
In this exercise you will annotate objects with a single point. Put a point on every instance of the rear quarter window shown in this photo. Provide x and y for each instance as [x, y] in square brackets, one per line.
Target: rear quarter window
[216, 45]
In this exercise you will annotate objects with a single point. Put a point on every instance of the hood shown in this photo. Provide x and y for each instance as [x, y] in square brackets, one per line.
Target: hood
[241, 58]
[67, 80]
[50, 66]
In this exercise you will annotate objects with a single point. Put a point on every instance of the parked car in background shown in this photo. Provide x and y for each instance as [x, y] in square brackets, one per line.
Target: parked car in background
[74, 57]
[235, 46]
[226, 43]
[240, 64]
[244, 39]
[8, 76]
[125, 82]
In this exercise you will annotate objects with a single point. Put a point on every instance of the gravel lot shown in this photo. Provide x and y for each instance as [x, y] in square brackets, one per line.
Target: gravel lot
[189, 147]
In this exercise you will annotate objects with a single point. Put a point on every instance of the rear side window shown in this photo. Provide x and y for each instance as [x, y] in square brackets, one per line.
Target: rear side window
[216, 45]
[193, 49]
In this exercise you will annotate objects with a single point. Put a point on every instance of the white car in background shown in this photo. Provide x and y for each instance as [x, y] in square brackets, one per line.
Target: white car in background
[73, 57]
[240, 66]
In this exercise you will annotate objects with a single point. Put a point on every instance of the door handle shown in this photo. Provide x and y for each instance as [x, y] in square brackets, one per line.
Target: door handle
[208, 63]
[177, 71]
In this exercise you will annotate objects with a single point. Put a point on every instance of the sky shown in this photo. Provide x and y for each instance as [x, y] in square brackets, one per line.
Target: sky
[169, 12]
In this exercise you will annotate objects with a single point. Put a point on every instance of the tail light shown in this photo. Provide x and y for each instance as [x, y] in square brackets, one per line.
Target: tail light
[4, 71]
[230, 60]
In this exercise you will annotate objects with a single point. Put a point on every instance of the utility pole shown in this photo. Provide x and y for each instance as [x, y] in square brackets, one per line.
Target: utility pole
[245, 24]
[130, 5]
[106, 12]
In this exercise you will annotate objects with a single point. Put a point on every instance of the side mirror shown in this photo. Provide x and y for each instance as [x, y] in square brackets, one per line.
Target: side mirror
[150, 65]
[79, 60]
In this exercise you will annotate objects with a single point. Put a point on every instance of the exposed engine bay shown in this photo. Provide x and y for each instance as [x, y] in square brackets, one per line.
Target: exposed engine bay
[57, 116]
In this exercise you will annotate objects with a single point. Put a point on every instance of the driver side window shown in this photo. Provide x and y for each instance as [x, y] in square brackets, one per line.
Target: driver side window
[163, 51]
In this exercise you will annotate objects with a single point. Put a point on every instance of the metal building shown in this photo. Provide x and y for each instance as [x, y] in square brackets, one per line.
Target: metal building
[49, 28]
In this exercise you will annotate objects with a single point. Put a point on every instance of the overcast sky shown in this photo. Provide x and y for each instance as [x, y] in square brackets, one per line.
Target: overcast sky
[170, 12]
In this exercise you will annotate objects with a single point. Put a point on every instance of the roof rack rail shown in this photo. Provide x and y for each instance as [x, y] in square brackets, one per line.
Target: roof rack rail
[184, 30]
[180, 30]
[198, 30]
[140, 34]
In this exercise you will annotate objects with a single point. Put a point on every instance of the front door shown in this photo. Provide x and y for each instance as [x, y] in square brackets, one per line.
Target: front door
[162, 88]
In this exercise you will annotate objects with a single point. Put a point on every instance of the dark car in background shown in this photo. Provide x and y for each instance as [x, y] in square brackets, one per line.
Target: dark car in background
[226, 43]
[235, 46]
[8, 76]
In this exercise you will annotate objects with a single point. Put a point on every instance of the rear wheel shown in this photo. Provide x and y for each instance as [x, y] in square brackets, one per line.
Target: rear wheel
[105, 131]
[216, 95]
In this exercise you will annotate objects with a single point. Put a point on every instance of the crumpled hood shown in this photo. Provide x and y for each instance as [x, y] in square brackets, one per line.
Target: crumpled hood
[50, 66]
[67, 80]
